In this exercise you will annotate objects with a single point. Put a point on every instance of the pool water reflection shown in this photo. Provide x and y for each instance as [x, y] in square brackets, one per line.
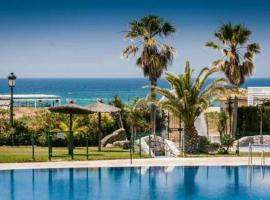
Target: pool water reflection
[137, 183]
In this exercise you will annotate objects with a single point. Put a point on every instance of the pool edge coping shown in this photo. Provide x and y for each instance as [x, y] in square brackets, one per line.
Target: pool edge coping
[146, 162]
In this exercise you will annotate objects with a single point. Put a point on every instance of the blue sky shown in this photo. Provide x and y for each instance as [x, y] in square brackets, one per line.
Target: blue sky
[84, 38]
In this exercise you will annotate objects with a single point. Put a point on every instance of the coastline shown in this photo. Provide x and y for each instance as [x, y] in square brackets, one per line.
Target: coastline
[148, 162]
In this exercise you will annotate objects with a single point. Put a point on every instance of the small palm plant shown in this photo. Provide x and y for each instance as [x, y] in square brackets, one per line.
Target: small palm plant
[76, 128]
[136, 119]
[188, 98]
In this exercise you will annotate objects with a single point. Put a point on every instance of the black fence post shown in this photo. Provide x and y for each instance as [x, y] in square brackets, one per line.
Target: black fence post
[87, 146]
[131, 145]
[140, 144]
[49, 146]
[238, 151]
[72, 145]
[149, 141]
[33, 146]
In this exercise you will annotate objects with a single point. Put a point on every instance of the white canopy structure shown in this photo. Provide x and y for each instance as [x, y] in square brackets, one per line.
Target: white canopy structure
[31, 100]
[258, 95]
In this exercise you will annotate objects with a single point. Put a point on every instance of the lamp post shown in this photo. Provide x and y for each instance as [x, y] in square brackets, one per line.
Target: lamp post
[11, 83]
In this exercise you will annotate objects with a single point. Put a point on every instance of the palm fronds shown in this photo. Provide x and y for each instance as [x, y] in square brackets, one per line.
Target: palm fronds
[188, 97]
[237, 62]
[154, 56]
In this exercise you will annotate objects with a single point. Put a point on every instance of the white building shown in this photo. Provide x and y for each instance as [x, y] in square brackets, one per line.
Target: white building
[258, 95]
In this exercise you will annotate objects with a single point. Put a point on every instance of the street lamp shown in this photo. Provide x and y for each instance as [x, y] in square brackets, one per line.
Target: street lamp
[11, 83]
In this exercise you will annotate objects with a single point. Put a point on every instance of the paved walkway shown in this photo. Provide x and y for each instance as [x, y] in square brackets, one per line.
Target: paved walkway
[206, 161]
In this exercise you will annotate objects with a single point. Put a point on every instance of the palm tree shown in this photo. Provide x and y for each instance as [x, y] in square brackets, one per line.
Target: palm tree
[237, 61]
[154, 56]
[136, 118]
[188, 98]
[76, 129]
[135, 121]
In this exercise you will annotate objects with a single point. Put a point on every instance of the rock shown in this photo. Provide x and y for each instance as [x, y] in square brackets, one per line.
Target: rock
[163, 146]
[118, 135]
[256, 139]
[109, 145]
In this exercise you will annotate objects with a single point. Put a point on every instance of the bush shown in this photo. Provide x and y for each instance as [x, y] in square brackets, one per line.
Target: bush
[204, 144]
[42, 140]
[126, 145]
[222, 150]
[213, 147]
[227, 142]
[5, 138]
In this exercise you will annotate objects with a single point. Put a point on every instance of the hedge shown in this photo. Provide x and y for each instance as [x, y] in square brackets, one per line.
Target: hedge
[248, 120]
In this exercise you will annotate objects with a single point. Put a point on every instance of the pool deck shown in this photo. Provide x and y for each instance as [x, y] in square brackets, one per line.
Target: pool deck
[205, 161]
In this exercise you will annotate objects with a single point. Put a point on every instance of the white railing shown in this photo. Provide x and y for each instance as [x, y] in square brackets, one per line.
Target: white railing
[262, 147]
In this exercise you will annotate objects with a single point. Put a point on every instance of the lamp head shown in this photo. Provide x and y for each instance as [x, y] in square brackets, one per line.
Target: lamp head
[11, 80]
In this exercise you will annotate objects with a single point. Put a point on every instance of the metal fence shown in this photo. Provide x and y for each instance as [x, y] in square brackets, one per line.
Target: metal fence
[53, 135]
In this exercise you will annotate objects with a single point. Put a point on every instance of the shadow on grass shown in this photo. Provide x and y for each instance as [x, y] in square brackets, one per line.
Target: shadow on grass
[61, 156]
[113, 151]
[90, 154]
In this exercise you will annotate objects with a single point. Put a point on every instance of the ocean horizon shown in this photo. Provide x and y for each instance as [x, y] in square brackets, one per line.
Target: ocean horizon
[85, 91]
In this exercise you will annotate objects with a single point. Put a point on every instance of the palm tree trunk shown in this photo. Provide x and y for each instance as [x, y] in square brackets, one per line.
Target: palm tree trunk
[235, 110]
[191, 139]
[153, 113]
[230, 118]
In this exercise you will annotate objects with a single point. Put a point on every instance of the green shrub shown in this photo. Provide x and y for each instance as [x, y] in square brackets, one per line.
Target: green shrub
[222, 124]
[227, 142]
[204, 144]
[222, 150]
[213, 147]
[42, 140]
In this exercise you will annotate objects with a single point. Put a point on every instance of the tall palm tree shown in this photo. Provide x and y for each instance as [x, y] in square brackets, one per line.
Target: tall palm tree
[187, 98]
[154, 56]
[237, 61]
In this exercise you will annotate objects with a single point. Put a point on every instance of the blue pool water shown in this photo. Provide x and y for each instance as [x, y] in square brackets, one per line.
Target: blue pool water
[157, 183]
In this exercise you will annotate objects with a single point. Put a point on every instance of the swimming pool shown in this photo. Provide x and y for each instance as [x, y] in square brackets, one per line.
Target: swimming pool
[137, 183]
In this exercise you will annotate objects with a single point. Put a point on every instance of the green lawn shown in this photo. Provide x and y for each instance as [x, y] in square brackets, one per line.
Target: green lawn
[10, 154]
[24, 154]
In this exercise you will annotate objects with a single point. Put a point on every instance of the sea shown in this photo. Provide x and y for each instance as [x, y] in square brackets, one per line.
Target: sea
[85, 91]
